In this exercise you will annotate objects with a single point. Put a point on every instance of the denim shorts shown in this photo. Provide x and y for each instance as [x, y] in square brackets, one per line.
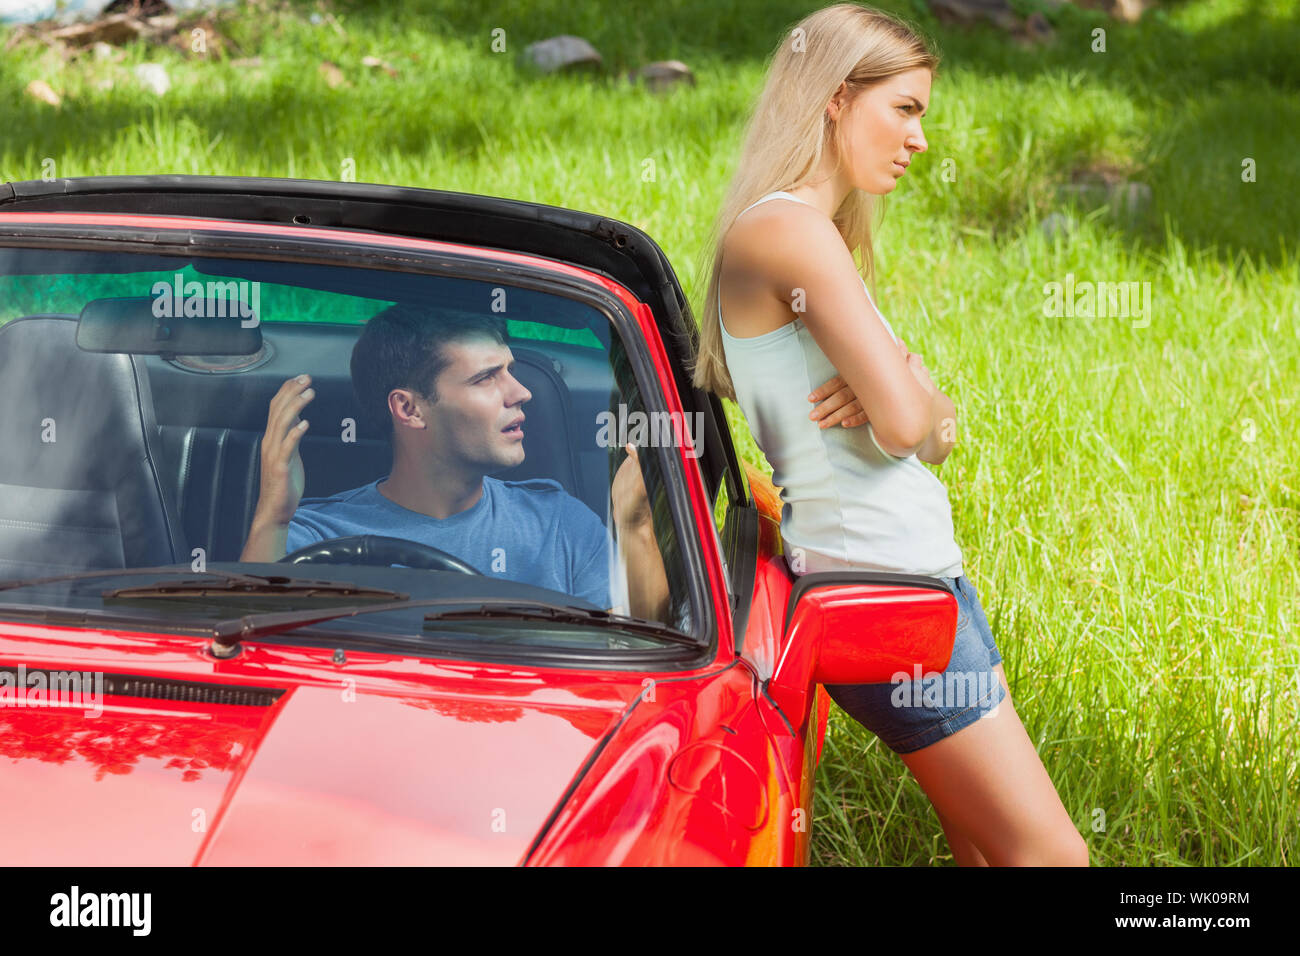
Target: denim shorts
[907, 713]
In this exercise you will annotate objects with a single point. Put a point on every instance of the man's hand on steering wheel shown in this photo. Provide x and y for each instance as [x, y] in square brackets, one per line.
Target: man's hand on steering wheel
[378, 550]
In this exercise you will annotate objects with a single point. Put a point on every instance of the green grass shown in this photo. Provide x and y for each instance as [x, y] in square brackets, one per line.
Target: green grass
[1127, 499]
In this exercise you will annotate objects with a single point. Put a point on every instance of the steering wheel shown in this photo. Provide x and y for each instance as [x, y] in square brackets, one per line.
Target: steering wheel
[378, 550]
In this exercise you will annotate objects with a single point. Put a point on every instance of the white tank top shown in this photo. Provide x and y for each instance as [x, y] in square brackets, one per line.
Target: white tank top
[847, 504]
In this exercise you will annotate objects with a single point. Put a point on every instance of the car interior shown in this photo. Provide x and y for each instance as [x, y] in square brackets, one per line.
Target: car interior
[210, 429]
[144, 457]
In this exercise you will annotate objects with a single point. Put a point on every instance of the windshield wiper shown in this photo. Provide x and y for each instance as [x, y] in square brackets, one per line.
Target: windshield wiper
[93, 617]
[563, 614]
[255, 585]
[226, 635]
[230, 576]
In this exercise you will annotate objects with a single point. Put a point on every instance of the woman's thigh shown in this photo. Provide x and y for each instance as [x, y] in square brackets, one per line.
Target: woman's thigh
[972, 756]
[987, 780]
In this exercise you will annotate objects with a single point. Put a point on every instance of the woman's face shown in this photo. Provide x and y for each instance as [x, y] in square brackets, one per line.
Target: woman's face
[881, 129]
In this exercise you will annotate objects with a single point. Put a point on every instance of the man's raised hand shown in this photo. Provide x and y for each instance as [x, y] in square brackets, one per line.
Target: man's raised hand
[283, 478]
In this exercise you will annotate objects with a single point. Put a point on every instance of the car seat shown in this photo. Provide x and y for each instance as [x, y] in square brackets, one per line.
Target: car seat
[79, 487]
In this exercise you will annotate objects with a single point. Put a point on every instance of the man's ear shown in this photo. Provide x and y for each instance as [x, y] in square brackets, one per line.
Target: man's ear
[404, 407]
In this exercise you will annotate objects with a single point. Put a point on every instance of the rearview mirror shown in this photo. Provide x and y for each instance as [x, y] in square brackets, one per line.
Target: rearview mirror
[862, 627]
[206, 327]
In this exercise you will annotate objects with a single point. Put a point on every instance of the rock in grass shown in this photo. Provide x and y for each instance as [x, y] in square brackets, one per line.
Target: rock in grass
[1104, 184]
[1037, 28]
[1032, 29]
[997, 12]
[1056, 225]
[561, 53]
[40, 90]
[375, 63]
[662, 75]
[116, 29]
[334, 77]
[1129, 11]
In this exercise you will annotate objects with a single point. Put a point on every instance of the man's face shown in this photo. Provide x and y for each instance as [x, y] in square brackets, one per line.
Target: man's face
[478, 400]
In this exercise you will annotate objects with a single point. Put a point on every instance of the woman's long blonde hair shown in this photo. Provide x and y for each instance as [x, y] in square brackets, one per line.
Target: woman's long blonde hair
[789, 131]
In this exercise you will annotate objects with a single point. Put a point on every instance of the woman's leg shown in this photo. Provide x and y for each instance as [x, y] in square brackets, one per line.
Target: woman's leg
[964, 852]
[990, 788]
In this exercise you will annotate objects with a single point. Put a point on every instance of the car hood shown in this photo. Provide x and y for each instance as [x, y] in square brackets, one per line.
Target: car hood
[384, 761]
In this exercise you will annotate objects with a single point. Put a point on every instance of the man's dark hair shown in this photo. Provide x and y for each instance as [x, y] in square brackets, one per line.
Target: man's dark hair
[402, 347]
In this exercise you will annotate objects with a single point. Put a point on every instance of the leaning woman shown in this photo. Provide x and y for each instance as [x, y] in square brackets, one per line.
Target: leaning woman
[838, 124]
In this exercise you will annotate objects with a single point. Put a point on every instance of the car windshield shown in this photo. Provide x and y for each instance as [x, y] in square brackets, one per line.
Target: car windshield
[466, 432]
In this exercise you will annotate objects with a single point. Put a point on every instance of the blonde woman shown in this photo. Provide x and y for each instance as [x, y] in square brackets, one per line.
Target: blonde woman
[836, 125]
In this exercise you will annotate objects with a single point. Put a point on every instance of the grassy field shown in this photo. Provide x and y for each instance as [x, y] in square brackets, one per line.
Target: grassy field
[1126, 492]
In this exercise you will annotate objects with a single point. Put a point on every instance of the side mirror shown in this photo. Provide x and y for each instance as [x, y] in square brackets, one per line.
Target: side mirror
[861, 627]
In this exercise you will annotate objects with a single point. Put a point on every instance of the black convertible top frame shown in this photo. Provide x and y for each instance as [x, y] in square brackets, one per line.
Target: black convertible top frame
[619, 250]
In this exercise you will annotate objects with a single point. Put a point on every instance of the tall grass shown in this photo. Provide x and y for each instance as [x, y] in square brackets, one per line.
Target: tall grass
[1126, 498]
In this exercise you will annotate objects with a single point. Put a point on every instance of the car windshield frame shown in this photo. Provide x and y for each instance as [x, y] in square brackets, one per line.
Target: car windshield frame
[348, 248]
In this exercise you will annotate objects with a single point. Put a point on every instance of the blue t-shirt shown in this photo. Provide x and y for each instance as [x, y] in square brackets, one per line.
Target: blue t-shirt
[533, 532]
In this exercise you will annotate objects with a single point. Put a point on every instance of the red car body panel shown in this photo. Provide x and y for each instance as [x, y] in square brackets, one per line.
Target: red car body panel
[772, 586]
[381, 759]
[386, 760]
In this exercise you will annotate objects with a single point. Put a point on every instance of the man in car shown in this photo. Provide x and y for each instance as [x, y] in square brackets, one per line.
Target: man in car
[444, 391]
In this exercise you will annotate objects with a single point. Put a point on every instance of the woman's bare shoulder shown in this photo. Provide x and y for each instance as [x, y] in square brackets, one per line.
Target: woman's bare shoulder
[754, 228]
[779, 239]
[766, 232]
[765, 257]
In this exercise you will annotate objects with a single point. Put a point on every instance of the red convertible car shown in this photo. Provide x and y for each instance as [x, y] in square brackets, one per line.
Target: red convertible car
[515, 693]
